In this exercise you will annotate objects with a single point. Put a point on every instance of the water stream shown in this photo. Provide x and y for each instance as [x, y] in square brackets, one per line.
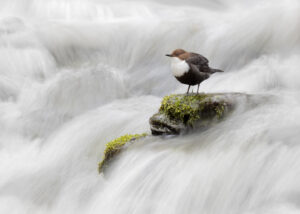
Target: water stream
[75, 74]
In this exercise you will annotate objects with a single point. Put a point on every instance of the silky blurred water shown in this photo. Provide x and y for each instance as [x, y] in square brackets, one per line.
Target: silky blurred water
[75, 74]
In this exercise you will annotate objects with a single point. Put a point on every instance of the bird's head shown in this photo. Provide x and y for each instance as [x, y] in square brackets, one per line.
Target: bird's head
[176, 53]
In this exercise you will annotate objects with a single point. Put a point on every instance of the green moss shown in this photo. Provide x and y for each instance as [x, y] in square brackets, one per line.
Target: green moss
[191, 108]
[115, 146]
[220, 109]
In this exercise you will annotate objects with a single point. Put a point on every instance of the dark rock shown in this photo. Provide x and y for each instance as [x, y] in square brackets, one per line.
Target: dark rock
[179, 113]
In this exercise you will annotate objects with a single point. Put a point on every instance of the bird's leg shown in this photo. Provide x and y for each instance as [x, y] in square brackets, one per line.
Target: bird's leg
[198, 88]
[188, 89]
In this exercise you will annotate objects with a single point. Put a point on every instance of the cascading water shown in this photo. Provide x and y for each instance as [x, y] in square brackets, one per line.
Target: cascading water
[76, 74]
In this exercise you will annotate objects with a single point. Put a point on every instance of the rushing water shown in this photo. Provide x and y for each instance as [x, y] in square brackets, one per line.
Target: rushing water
[76, 74]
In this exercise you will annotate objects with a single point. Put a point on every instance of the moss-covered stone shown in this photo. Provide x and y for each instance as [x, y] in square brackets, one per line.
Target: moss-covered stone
[160, 123]
[114, 147]
[179, 112]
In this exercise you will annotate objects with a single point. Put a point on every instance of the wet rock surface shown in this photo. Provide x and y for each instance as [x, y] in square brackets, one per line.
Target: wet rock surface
[180, 113]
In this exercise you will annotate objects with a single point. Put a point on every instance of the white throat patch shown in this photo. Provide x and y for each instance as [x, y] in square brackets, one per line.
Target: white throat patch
[179, 67]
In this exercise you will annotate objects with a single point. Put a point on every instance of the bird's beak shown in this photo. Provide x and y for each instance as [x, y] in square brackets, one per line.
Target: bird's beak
[169, 55]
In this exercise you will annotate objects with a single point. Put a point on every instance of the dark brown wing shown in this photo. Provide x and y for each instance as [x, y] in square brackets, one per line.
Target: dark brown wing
[200, 61]
[198, 74]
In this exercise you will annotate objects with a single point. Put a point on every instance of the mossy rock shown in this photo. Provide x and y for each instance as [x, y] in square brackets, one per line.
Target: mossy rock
[181, 112]
[160, 123]
[114, 147]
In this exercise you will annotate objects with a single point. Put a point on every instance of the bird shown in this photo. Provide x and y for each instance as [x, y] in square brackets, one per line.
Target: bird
[190, 68]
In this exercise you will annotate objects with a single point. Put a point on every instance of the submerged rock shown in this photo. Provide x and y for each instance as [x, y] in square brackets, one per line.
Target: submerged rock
[114, 147]
[180, 112]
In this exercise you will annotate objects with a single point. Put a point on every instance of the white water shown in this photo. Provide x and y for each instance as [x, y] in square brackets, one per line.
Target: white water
[76, 74]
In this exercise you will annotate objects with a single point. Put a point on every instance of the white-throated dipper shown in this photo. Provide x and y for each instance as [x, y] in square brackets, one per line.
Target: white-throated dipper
[190, 68]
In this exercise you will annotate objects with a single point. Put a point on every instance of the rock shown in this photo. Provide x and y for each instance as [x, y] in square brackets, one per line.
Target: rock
[114, 147]
[160, 124]
[179, 113]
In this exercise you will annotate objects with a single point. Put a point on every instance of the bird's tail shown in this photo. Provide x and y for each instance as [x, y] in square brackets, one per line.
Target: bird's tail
[212, 70]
